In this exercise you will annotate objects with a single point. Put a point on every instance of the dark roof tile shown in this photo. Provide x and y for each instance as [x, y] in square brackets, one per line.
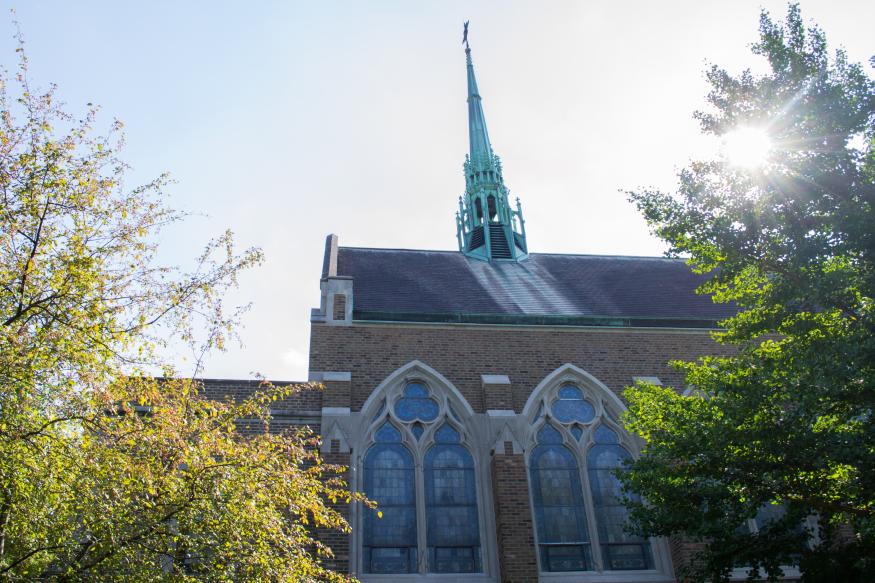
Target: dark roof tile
[399, 281]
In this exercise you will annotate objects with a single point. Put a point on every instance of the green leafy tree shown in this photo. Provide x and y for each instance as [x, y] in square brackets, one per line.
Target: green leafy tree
[106, 473]
[785, 420]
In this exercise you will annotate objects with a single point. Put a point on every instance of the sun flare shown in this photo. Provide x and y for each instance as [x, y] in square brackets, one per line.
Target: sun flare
[747, 147]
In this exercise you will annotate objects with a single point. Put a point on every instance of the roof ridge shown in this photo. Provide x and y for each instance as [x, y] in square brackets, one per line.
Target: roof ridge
[454, 252]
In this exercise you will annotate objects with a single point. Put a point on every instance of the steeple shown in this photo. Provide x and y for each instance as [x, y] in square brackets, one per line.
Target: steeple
[486, 226]
[478, 136]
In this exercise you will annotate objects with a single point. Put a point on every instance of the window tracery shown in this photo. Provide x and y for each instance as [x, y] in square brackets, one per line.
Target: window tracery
[563, 538]
[391, 545]
[576, 446]
[420, 470]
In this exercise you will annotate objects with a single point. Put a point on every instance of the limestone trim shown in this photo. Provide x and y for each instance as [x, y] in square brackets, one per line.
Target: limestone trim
[495, 379]
[334, 435]
[420, 370]
[477, 437]
[651, 380]
[569, 373]
[506, 438]
[501, 413]
[608, 410]
[704, 332]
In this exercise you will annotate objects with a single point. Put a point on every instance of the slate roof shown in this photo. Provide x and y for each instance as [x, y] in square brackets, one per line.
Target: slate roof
[554, 289]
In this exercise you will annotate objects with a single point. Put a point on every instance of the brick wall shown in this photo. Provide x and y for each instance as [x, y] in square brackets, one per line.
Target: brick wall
[463, 354]
[526, 355]
[513, 519]
[303, 408]
[337, 541]
[683, 554]
[339, 307]
[308, 399]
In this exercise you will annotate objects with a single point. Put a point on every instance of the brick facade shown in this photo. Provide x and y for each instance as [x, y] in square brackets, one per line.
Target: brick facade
[337, 541]
[302, 409]
[525, 354]
[495, 368]
[513, 519]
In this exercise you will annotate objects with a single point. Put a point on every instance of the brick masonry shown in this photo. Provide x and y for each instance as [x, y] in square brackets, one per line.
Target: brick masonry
[308, 399]
[301, 409]
[463, 353]
[337, 541]
[513, 519]
[337, 394]
[339, 306]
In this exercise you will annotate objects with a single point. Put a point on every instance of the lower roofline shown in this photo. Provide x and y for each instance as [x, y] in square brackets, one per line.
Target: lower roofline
[533, 320]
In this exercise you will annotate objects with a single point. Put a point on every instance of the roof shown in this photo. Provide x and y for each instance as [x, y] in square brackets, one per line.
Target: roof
[549, 289]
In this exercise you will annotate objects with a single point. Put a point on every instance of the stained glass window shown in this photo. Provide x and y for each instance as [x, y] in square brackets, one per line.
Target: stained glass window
[620, 550]
[446, 434]
[563, 540]
[387, 433]
[453, 532]
[416, 404]
[571, 406]
[604, 435]
[389, 544]
[769, 513]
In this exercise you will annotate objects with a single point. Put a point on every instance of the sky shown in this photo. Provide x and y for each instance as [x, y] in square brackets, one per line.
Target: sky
[289, 120]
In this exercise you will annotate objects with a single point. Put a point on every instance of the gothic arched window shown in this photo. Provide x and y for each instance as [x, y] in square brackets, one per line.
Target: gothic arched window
[620, 550]
[559, 513]
[577, 498]
[416, 430]
[453, 532]
[390, 540]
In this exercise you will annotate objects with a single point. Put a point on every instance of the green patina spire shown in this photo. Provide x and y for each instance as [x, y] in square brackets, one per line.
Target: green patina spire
[478, 136]
[486, 226]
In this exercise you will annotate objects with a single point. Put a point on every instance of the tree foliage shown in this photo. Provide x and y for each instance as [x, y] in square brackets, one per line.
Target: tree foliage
[787, 417]
[106, 473]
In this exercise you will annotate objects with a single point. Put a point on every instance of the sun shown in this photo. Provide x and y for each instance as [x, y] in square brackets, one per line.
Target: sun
[747, 147]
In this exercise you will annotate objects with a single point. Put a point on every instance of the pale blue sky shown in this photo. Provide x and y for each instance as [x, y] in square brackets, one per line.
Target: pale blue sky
[287, 121]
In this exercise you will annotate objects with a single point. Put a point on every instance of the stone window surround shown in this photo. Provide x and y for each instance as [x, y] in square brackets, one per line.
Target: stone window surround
[483, 434]
[609, 410]
[790, 572]
[377, 410]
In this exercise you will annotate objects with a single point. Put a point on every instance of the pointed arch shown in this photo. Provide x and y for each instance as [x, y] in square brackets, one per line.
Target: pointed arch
[570, 373]
[416, 369]
[433, 428]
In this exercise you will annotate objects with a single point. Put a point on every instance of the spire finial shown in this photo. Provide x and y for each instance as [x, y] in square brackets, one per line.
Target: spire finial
[480, 148]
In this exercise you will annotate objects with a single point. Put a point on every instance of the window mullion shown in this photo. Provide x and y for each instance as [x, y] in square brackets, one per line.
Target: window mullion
[421, 526]
[483, 501]
[589, 506]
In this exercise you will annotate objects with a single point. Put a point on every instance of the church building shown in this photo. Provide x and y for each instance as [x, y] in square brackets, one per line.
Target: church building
[477, 394]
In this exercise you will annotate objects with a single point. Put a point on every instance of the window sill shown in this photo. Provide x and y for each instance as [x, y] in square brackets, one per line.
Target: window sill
[607, 577]
[442, 577]
[740, 574]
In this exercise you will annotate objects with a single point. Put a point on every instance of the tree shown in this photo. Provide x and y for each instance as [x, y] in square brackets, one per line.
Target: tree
[105, 472]
[785, 421]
